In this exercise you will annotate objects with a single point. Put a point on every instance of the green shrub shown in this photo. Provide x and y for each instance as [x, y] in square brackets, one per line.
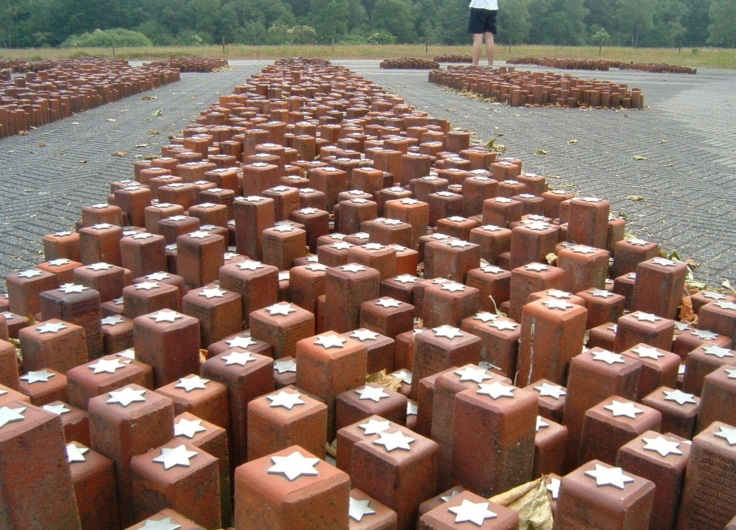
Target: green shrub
[98, 38]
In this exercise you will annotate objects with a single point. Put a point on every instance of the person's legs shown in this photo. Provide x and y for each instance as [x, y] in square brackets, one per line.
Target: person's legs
[490, 48]
[477, 47]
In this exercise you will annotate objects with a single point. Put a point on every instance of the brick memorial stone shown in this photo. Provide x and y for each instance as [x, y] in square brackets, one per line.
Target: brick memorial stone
[532, 278]
[701, 362]
[62, 267]
[585, 267]
[105, 374]
[628, 253]
[54, 344]
[76, 304]
[255, 281]
[446, 303]
[117, 333]
[291, 488]
[34, 466]
[346, 288]
[719, 388]
[149, 296]
[467, 507]
[550, 444]
[679, 410]
[719, 317]
[641, 327]
[252, 214]
[588, 221]
[219, 312]
[372, 399]
[551, 399]
[658, 287]
[658, 367]
[93, 478]
[43, 386]
[380, 349]
[493, 240]
[200, 397]
[603, 306]
[499, 339]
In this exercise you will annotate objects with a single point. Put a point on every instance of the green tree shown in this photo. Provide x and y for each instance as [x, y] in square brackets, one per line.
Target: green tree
[635, 18]
[697, 21]
[513, 22]
[329, 18]
[722, 29]
[600, 37]
[453, 22]
[668, 29]
[601, 13]
[394, 16]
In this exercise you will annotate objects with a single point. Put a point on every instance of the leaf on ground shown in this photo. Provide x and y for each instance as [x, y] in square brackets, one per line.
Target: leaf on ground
[82, 161]
[148, 97]
[634, 198]
[75, 123]
[154, 132]
[120, 153]
[157, 112]
[573, 141]
[727, 285]
[540, 152]
[686, 310]
[384, 379]
[141, 145]
[551, 258]
[111, 120]
[531, 502]
[639, 157]
[41, 144]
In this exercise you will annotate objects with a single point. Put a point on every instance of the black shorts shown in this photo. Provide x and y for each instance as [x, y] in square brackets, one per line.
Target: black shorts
[482, 21]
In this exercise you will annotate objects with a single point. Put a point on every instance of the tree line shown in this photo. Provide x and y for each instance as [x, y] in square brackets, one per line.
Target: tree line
[638, 23]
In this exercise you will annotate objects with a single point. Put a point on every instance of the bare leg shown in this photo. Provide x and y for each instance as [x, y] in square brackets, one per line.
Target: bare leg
[490, 47]
[477, 47]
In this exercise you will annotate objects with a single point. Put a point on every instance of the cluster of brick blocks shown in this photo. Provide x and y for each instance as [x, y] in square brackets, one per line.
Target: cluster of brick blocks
[601, 65]
[59, 89]
[453, 58]
[517, 88]
[410, 63]
[190, 349]
[193, 64]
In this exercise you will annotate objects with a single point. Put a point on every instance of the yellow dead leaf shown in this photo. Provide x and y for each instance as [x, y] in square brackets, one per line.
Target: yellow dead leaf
[540, 152]
[531, 502]
[551, 258]
[686, 310]
[120, 153]
[638, 157]
[573, 141]
[41, 144]
[634, 198]
[82, 161]
[111, 120]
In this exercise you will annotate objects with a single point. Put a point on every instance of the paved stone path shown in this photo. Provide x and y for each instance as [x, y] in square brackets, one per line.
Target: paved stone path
[688, 179]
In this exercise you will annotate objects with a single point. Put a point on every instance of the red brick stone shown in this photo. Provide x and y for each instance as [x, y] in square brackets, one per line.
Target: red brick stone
[707, 497]
[282, 325]
[662, 460]
[180, 476]
[54, 344]
[93, 477]
[701, 362]
[701, 298]
[450, 259]
[62, 245]
[589, 498]
[529, 279]
[269, 497]
[501, 211]
[200, 397]
[629, 253]
[44, 386]
[689, 339]
[62, 267]
[447, 303]
[346, 288]
[199, 257]
[603, 306]
[143, 253]
[219, 312]
[719, 317]
[76, 304]
[551, 399]
[679, 410]
[658, 287]
[411, 211]
[647, 328]
[247, 375]
[175, 226]
[532, 242]
[585, 267]
[495, 424]
[550, 444]
[658, 367]
[499, 339]
[612, 423]
[25, 287]
[255, 281]
[387, 316]
[467, 507]
[252, 216]
[588, 221]
[34, 466]
[716, 398]
[149, 296]
[105, 374]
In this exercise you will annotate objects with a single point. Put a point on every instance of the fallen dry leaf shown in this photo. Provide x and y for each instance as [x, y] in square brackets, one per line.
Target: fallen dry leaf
[112, 120]
[120, 153]
[686, 310]
[540, 152]
[573, 141]
[82, 161]
[41, 144]
[141, 145]
[638, 157]
[634, 198]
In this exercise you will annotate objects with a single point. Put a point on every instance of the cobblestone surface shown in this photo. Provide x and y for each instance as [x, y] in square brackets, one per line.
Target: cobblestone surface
[688, 179]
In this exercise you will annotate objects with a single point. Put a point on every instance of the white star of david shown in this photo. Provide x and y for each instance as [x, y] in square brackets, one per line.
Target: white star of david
[286, 400]
[536, 267]
[372, 393]
[473, 373]
[717, 351]
[51, 327]
[645, 317]
[165, 315]
[364, 334]
[472, 512]
[609, 476]
[250, 265]
[127, 396]
[241, 342]
[394, 440]
[39, 376]
[504, 325]
[239, 358]
[607, 357]
[282, 309]
[374, 426]
[193, 382]
[728, 434]
[112, 321]
[293, 466]
[70, 288]
[75, 453]
[330, 341]
[446, 331]
[496, 390]
[8, 415]
[600, 293]
[388, 303]
[212, 292]
[353, 267]
[59, 262]
[404, 375]
[177, 456]
[662, 446]
[146, 286]
[453, 287]
[359, 509]
[109, 366]
[557, 304]
[623, 408]
[548, 390]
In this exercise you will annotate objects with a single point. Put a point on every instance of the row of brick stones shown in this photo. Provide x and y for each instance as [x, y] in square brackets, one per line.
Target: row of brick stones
[66, 87]
[187, 256]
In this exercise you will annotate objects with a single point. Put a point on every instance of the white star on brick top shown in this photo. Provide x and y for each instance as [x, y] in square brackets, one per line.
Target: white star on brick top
[411, 408]
[352, 267]
[64, 233]
[453, 287]
[554, 487]
[713, 295]
[146, 286]
[491, 228]
[536, 267]
[458, 243]
[608, 357]
[70, 288]
[730, 374]
[199, 234]
[112, 321]
[374, 427]
[317, 267]
[285, 366]
[623, 408]
[373, 246]
[663, 262]
[286, 400]
[472, 512]
[394, 440]
[662, 446]
[59, 409]
[726, 305]
[473, 373]
[705, 334]
[717, 351]
[100, 266]
[556, 293]
[388, 303]
[253, 198]
[541, 424]
[212, 292]
[485, 316]
[496, 390]
[342, 245]
[177, 456]
[293, 466]
[645, 317]
[582, 249]
[250, 265]
[404, 375]
[127, 396]
[371, 392]
[108, 366]
[446, 331]
[557, 304]
[51, 327]
[492, 269]
[142, 235]
[679, 397]
[647, 352]
[548, 390]
[330, 341]
[236, 357]
[406, 278]
[600, 293]
[193, 382]
[359, 509]
[58, 262]
[241, 342]
[537, 226]
[728, 434]
[283, 228]
[160, 524]
[391, 222]
[177, 218]
[409, 201]
[166, 315]
[39, 376]
[503, 325]
[8, 415]
[637, 242]
[308, 211]
[101, 226]
[609, 476]
[75, 453]
[282, 309]
[503, 200]
[364, 334]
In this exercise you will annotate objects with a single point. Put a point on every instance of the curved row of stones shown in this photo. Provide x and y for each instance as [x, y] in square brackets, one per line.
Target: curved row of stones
[519, 88]
[412, 63]
[190, 348]
[189, 63]
[55, 90]
[603, 65]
